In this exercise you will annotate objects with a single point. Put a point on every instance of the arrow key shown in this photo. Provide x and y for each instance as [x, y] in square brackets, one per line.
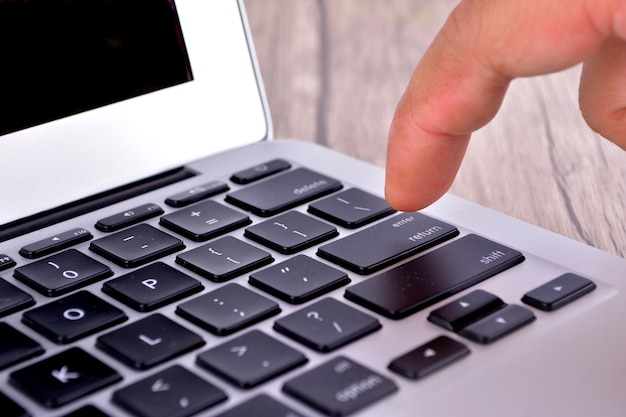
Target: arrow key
[63, 378]
[428, 357]
[462, 311]
[498, 324]
[559, 292]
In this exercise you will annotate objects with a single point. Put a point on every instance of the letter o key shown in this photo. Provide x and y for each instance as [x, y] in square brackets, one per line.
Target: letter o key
[74, 314]
[69, 274]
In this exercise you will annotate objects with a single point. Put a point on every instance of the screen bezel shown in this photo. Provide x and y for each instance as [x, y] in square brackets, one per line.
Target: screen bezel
[47, 166]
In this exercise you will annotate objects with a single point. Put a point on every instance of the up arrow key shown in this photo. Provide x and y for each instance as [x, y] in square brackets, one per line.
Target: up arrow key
[558, 288]
[429, 353]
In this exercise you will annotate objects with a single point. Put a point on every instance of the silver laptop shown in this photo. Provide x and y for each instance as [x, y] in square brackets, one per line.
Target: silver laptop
[162, 255]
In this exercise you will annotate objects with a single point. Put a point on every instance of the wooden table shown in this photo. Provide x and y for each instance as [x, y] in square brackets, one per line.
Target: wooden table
[335, 69]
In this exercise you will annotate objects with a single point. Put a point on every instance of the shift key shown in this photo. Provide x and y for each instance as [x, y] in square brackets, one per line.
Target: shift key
[387, 242]
[439, 274]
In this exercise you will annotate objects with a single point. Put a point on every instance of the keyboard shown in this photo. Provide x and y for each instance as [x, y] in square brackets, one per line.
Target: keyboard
[265, 289]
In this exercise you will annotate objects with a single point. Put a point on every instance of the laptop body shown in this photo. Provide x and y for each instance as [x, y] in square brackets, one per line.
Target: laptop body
[564, 360]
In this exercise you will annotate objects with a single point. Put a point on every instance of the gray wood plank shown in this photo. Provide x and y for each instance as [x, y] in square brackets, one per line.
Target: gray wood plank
[335, 69]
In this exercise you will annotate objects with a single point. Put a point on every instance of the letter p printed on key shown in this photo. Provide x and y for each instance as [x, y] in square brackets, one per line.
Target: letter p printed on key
[150, 283]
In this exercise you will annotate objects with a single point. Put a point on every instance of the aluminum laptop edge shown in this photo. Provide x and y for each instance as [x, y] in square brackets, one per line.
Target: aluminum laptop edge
[568, 362]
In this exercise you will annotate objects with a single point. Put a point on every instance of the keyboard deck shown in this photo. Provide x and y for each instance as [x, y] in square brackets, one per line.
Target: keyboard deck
[256, 294]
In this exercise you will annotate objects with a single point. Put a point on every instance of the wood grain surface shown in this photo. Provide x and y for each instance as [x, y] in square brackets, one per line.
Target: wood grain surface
[335, 69]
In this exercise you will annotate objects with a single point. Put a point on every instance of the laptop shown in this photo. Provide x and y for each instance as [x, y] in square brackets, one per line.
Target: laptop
[161, 254]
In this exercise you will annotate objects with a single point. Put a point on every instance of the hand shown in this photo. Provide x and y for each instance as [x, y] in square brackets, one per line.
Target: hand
[461, 81]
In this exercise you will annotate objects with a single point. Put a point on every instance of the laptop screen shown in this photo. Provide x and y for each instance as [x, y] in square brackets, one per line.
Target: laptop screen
[99, 94]
[67, 56]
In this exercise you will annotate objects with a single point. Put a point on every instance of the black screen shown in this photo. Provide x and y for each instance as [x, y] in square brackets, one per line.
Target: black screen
[62, 57]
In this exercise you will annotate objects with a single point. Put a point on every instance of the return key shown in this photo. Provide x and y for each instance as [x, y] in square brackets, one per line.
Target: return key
[387, 242]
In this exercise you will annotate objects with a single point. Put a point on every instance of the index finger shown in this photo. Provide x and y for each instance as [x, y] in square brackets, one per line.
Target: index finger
[459, 84]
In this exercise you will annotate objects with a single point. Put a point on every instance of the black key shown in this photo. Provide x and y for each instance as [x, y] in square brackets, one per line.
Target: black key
[151, 287]
[16, 347]
[73, 317]
[224, 259]
[136, 246]
[204, 221]
[173, 392]
[129, 217]
[291, 232]
[87, 411]
[499, 324]
[429, 357]
[196, 194]
[461, 312]
[426, 280]
[283, 192]
[149, 342]
[10, 408]
[261, 405]
[251, 359]
[13, 299]
[387, 242]
[327, 325]
[227, 309]
[259, 171]
[351, 208]
[299, 279]
[55, 243]
[559, 292]
[6, 262]
[342, 386]
[63, 378]
[62, 273]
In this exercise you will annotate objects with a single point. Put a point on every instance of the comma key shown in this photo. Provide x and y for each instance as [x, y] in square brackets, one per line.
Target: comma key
[387, 242]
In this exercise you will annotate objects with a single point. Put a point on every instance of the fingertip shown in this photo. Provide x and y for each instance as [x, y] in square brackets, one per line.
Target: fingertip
[421, 166]
[405, 199]
[601, 96]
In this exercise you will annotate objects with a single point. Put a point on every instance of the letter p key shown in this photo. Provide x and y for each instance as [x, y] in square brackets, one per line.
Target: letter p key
[150, 283]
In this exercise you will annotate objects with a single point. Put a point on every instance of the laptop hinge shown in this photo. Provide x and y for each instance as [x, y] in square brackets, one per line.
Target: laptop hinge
[71, 210]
